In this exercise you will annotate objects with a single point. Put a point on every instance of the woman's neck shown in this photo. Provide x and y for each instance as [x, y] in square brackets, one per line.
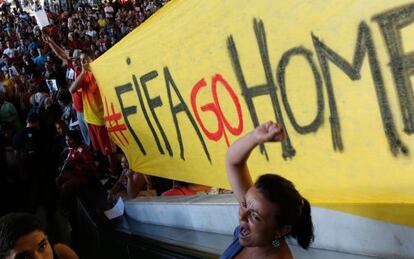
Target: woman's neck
[281, 252]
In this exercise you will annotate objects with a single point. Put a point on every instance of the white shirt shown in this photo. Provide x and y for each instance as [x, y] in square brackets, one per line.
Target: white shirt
[10, 52]
[109, 11]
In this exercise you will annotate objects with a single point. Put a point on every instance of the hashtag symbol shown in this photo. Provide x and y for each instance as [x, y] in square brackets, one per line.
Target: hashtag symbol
[114, 126]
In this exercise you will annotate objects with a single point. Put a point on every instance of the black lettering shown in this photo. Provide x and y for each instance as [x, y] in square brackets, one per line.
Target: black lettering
[154, 103]
[364, 45]
[269, 88]
[181, 107]
[126, 111]
[284, 61]
[402, 65]
[144, 110]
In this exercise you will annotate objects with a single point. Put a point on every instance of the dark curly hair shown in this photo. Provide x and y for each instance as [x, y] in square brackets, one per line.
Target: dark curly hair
[12, 227]
[291, 208]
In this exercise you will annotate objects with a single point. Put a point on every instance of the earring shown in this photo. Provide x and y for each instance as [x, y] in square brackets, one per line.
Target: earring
[276, 243]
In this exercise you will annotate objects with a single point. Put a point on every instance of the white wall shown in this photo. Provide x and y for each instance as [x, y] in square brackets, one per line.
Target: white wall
[334, 230]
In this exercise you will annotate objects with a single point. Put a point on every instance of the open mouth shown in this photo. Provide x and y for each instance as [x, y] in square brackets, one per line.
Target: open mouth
[244, 232]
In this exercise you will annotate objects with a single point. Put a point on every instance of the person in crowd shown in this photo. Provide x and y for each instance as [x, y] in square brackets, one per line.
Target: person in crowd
[270, 209]
[10, 51]
[7, 155]
[74, 42]
[78, 167]
[60, 147]
[8, 113]
[30, 149]
[102, 22]
[187, 189]
[22, 236]
[93, 111]
[41, 58]
[109, 11]
[131, 184]
[73, 66]
[68, 113]
[49, 114]
[37, 102]
[26, 62]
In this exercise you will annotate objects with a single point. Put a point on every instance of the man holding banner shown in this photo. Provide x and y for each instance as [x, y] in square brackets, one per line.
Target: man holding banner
[93, 110]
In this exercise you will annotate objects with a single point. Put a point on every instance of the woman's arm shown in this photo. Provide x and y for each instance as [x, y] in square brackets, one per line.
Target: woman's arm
[238, 153]
[136, 183]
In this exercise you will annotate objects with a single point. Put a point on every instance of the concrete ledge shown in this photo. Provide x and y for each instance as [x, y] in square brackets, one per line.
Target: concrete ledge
[209, 213]
[335, 231]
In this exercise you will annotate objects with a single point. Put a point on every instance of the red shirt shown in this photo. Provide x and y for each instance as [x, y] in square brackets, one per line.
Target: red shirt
[75, 44]
[82, 159]
[77, 95]
[80, 154]
[179, 191]
[52, 31]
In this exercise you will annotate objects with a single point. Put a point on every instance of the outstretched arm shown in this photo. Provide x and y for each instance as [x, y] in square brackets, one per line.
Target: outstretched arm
[238, 153]
[59, 52]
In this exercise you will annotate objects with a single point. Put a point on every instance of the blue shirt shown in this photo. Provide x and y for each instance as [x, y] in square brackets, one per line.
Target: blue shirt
[234, 248]
[40, 60]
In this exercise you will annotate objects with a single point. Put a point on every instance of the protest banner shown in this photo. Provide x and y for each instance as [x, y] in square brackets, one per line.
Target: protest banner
[197, 75]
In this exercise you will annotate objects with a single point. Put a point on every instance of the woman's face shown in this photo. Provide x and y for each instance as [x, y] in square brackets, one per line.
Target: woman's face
[32, 245]
[60, 129]
[124, 163]
[258, 225]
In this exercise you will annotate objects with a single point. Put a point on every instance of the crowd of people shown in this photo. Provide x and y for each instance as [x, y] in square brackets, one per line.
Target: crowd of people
[47, 93]
[52, 134]
[53, 138]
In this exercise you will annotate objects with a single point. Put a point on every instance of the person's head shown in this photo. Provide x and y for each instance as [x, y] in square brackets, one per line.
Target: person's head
[85, 59]
[124, 162]
[26, 59]
[9, 44]
[274, 209]
[73, 138]
[21, 236]
[61, 127]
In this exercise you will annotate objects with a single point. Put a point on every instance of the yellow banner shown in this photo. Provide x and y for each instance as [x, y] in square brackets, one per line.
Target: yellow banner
[336, 74]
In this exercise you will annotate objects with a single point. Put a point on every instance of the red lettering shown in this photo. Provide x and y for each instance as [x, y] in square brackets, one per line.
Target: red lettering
[205, 108]
[215, 108]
